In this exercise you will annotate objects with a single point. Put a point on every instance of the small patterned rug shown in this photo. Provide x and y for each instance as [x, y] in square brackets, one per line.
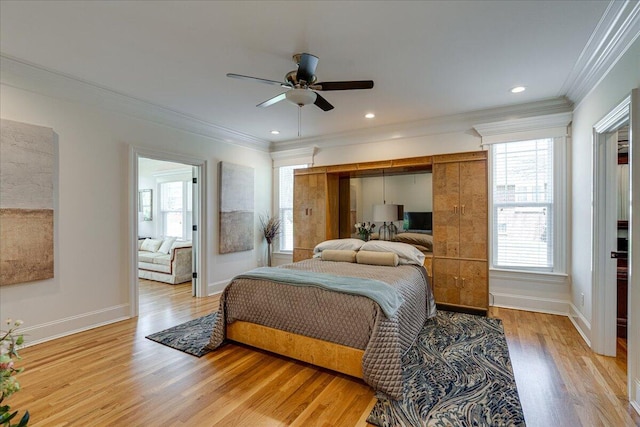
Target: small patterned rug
[458, 373]
[190, 337]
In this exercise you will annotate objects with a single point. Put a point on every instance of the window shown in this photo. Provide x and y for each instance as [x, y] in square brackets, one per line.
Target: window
[175, 208]
[285, 208]
[524, 192]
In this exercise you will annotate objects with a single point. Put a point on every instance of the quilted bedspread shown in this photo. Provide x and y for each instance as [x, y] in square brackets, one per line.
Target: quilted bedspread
[351, 320]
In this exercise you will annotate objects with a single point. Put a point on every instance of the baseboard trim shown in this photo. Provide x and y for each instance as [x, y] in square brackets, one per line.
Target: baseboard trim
[74, 324]
[547, 306]
[581, 323]
[217, 287]
[636, 403]
[528, 303]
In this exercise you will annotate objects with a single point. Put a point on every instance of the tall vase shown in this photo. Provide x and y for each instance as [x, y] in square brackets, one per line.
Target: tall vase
[268, 254]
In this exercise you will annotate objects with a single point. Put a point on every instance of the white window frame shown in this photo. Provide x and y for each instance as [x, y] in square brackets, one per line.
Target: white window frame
[302, 157]
[186, 177]
[550, 126]
[556, 208]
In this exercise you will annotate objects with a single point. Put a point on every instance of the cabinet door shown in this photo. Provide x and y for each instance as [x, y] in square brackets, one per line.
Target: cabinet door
[474, 220]
[309, 206]
[445, 280]
[473, 282]
[446, 220]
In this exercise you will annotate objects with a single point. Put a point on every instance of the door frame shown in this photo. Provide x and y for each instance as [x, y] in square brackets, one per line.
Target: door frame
[604, 287]
[199, 285]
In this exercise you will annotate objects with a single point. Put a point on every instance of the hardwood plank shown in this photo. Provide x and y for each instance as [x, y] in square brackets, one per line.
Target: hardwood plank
[113, 376]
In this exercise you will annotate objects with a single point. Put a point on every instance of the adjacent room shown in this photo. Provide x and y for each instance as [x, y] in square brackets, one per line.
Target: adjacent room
[313, 213]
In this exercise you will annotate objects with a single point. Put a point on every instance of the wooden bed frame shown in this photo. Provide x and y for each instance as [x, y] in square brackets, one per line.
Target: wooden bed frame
[325, 354]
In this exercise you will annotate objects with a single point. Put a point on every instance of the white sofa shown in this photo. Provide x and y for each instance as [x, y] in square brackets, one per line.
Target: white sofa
[165, 260]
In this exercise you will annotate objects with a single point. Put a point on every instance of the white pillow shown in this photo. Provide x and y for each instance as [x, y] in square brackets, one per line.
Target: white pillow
[338, 244]
[150, 245]
[407, 253]
[165, 247]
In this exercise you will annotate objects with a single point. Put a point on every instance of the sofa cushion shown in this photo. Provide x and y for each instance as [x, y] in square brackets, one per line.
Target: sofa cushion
[154, 267]
[165, 247]
[151, 245]
[146, 256]
[163, 259]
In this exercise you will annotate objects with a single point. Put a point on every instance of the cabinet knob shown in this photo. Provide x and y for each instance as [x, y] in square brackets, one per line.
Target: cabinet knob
[463, 282]
[306, 211]
[462, 209]
[455, 278]
[455, 208]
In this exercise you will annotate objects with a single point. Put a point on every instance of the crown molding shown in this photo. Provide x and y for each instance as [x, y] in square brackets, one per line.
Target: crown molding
[441, 125]
[547, 126]
[618, 28]
[524, 125]
[20, 74]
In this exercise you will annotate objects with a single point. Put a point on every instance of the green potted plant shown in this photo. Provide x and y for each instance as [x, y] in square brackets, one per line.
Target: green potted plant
[10, 341]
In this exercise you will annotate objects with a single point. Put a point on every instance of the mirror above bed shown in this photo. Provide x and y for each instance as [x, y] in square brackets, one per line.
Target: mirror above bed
[412, 191]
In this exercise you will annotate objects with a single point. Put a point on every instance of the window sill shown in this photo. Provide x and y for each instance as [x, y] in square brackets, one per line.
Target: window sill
[506, 271]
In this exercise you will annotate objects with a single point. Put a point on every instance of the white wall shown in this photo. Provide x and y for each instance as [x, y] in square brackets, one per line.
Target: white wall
[608, 94]
[92, 253]
[622, 78]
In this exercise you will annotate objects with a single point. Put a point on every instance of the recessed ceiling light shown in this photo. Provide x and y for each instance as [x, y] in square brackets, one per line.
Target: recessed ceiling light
[369, 115]
[275, 132]
[517, 89]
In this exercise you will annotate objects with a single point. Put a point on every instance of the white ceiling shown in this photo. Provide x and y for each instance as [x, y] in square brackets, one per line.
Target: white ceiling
[427, 59]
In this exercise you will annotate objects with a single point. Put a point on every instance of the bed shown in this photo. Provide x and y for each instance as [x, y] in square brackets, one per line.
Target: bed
[287, 310]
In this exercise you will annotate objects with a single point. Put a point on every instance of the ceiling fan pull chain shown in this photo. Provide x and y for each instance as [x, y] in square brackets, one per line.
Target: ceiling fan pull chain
[299, 121]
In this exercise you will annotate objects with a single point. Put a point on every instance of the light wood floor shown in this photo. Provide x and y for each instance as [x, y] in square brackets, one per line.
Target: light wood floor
[113, 376]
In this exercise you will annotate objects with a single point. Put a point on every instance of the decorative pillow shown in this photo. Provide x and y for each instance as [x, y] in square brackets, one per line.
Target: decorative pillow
[140, 242]
[340, 255]
[421, 239]
[165, 247]
[344, 244]
[390, 259]
[150, 245]
[407, 254]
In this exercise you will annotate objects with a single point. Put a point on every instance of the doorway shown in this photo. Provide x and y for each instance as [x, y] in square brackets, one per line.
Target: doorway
[167, 202]
[606, 255]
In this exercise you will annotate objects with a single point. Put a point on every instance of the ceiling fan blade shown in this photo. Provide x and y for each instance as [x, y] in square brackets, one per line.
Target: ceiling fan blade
[348, 85]
[273, 100]
[257, 79]
[322, 103]
[307, 67]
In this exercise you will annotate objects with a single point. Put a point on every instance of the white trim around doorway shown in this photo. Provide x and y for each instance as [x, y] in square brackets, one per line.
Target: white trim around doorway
[200, 251]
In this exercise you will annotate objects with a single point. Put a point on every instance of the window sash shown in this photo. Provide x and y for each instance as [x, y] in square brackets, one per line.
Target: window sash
[285, 176]
[523, 205]
[176, 205]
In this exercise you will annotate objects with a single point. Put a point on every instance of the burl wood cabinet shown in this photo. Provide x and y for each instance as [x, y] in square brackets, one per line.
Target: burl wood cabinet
[460, 229]
[315, 212]
[459, 266]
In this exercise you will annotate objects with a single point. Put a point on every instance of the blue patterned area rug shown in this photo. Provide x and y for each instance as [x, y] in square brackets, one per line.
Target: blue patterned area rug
[458, 373]
[190, 337]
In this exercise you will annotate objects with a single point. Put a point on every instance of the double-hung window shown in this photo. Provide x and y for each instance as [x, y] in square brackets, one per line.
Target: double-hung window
[285, 206]
[528, 193]
[175, 208]
[523, 204]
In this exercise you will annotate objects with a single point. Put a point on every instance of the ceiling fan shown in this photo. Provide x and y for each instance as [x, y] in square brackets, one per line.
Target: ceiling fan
[301, 84]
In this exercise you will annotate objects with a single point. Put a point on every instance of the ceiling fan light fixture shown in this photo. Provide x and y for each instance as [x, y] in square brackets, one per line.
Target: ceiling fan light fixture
[301, 97]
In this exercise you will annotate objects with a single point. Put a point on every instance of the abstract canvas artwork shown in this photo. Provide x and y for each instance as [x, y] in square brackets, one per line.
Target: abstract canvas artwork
[27, 166]
[236, 208]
